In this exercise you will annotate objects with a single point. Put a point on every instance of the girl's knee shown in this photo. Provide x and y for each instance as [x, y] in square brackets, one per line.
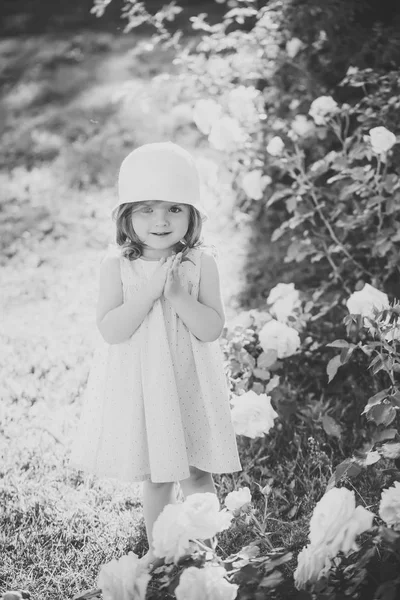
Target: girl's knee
[159, 485]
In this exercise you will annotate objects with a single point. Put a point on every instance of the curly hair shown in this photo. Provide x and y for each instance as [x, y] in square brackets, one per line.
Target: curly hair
[130, 244]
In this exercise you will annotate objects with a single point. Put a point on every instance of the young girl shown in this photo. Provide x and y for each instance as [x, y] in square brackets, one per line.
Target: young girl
[156, 406]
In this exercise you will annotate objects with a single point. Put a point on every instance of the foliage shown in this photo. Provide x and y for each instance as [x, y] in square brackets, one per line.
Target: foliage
[254, 82]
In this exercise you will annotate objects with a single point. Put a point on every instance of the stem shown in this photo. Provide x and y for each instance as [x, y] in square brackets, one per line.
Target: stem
[333, 234]
[334, 267]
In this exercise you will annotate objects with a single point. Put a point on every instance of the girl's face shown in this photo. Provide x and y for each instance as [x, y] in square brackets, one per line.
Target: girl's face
[160, 225]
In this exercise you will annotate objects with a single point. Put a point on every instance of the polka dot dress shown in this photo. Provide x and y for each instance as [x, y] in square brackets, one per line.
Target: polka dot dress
[158, 402]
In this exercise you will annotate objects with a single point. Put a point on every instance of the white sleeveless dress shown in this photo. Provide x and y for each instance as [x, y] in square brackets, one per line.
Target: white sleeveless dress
[159, 401]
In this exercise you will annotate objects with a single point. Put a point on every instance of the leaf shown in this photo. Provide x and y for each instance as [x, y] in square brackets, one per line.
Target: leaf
[386, 434]
[332, 367]
[345, 355]
[272, 580]
[267, 359]
[375, 400]
[278, 195]
[261, 374]
[383, 414]
[338, 344]
[347, 468]
[331, 427]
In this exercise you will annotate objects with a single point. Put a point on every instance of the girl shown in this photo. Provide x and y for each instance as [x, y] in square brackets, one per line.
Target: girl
[157, 405]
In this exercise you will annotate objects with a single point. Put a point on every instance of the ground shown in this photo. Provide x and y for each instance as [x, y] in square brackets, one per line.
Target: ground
[64, 131]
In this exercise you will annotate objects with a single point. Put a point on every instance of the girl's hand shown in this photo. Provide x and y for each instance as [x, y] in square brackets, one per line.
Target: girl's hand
[157, 280]
[173, 285]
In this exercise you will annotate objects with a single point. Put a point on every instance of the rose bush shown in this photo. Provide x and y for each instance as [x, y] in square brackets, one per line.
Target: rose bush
[333, 184]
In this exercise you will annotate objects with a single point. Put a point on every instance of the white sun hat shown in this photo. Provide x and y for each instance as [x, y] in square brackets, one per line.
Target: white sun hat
[159, 171]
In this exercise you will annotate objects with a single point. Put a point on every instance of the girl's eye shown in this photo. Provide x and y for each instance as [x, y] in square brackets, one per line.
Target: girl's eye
[177, 208]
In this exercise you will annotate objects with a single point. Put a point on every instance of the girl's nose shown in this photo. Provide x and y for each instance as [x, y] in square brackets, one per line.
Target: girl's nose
[161, 217]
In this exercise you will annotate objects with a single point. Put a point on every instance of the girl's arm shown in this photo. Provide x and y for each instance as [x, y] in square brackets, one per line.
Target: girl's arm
[204, 317]
[117, 320]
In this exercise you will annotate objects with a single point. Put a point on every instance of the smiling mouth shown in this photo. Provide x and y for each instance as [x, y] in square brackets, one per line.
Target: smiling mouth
[165, 233]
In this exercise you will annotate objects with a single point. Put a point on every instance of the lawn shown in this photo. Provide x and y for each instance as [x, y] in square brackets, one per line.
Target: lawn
[65, 125]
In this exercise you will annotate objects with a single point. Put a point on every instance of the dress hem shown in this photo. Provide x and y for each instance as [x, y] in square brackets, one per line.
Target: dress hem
[147, 476]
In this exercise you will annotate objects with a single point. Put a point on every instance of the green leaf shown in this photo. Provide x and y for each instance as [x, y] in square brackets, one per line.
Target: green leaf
[332, 367]
[261, 374]
[383, 414]
[345, 354]
[376, 399]
[347, 468]
[278, 195]
[331, 427]
[267, 359]
[386, 434]
[338, 344]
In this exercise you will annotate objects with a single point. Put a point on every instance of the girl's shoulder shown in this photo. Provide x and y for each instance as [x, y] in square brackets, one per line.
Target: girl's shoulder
[209, 249]
[113, 251]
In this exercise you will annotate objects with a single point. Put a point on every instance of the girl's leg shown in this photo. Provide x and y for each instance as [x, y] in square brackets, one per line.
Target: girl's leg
[155, 497]
[198, 481]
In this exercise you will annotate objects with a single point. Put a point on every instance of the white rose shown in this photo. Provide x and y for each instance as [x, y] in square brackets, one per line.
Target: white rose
[284, 299]
[238, 498]
[241, 102]
[281, 290]
[345, 540]
[252, 414]
[122, 579]
[391, 451]
[283, 309]
[171, 533]
[313, 563]
[226, 134]
[279, 337]
[364, 301]
[208, 583]
[336, 521]
[293, 47]
[205, 113]
[389, 507]
[199, 517]
[381, 139]
[301, 126]
[254, 183]
[260, 317]
[276, 146]
[322, 108]
[205, 517]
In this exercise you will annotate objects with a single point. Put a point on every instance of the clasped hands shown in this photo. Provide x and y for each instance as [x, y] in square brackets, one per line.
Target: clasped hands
[165, 279]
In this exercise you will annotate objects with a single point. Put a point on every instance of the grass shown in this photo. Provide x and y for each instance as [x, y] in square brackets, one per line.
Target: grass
[65, 131]
[73, 106]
